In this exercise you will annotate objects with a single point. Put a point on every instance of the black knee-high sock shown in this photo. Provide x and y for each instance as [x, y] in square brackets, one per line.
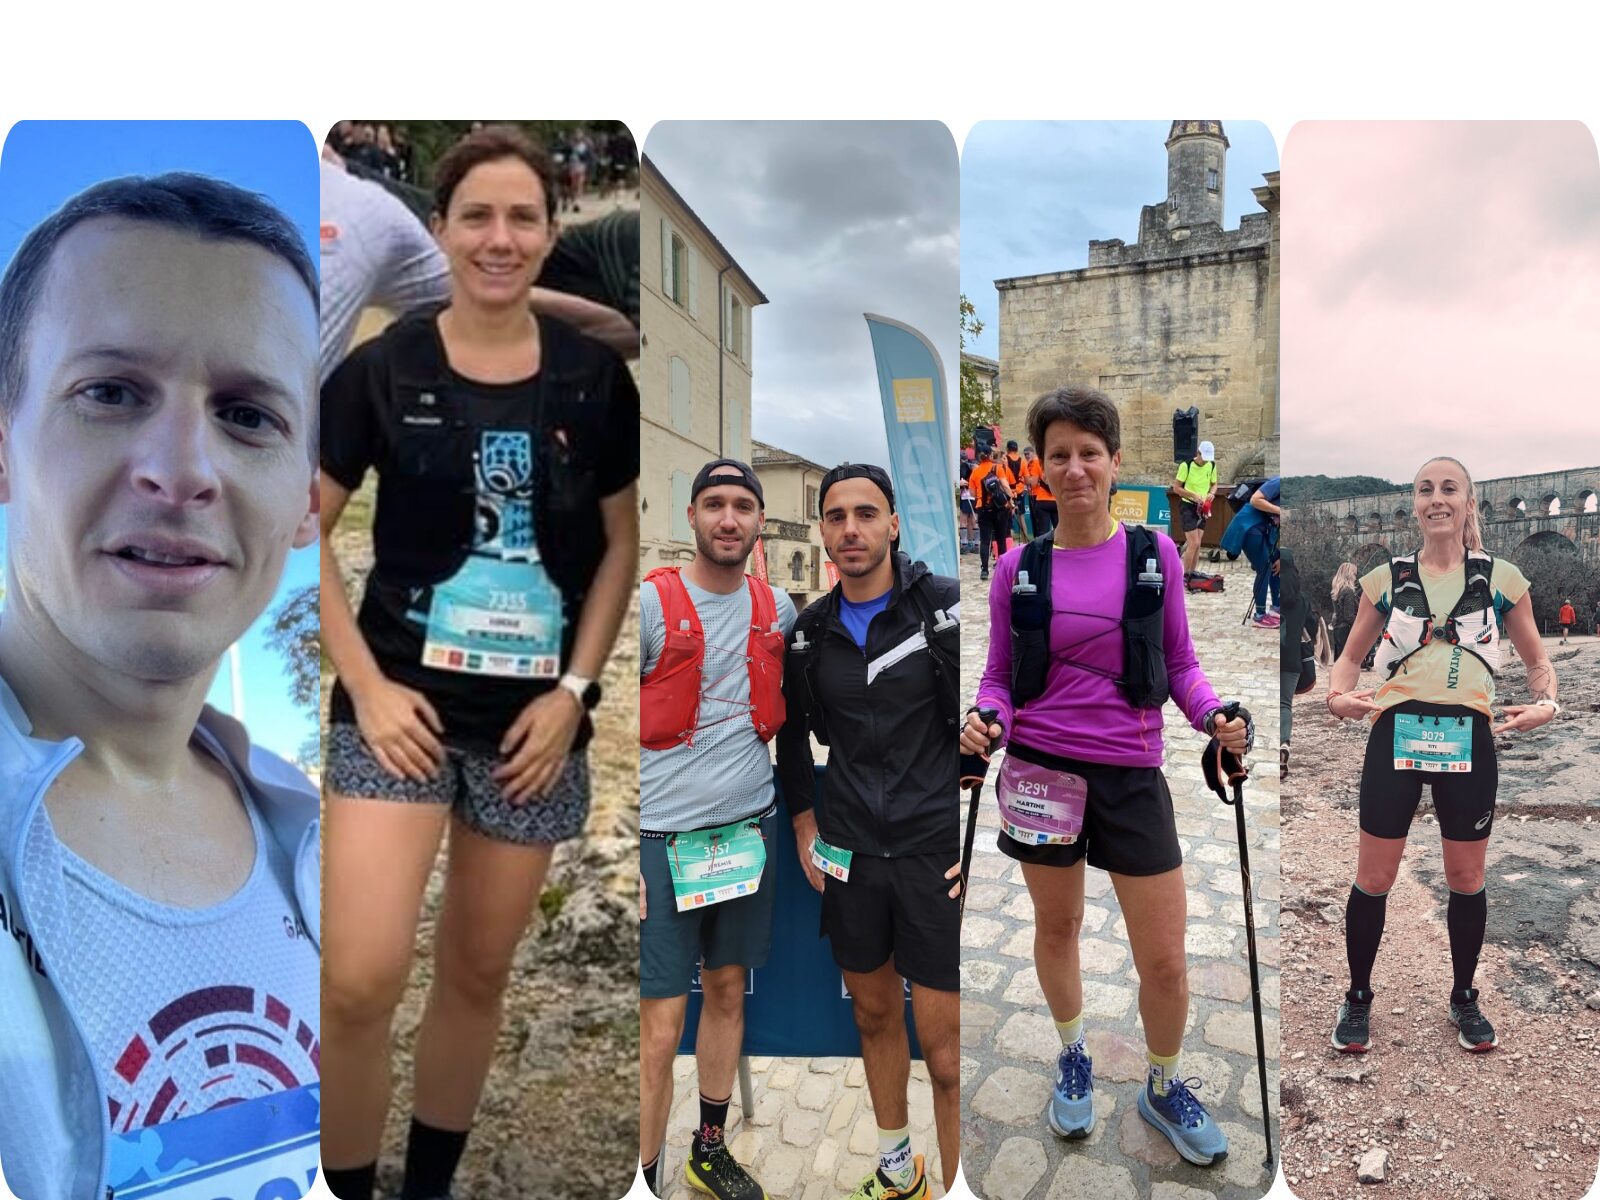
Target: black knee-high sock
[431, 1158]
[1363, 930]
[354, 1183]
[1466, 917]
[652, 1175]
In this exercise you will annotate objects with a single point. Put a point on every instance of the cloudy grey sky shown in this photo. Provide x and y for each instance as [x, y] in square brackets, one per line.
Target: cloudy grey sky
[1445, 274]
[1034, 192]
[831, 220]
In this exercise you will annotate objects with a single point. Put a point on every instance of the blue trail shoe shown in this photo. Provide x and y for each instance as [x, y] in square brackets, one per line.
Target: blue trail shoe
[1072, 1105]
[1185, 1121]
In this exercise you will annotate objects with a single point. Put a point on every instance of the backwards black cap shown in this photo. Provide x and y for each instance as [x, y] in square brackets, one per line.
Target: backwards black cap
[878, 476]
[725, 470]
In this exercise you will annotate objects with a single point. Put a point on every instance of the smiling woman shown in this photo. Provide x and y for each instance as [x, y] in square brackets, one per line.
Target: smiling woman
[504, 539]
[157, 418]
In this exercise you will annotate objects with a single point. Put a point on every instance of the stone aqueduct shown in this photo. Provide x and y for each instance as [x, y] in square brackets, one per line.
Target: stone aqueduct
[1560, 507]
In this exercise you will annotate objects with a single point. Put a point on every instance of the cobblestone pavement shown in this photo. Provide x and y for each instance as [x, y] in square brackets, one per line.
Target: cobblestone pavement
[812, 1135]
[1009, 1043]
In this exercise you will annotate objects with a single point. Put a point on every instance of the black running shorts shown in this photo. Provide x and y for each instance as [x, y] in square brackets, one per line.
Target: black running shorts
[1464, 803]
[1128, 827]
[899, 909]
[1190, 515]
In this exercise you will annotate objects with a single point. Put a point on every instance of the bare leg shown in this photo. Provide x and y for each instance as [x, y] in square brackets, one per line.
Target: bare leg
[490, 892]
[938, 1018]
[721, 1033]
[879, 1002]
[660, 1030]
[1057, 894]
[377, 856]
[1155, 908]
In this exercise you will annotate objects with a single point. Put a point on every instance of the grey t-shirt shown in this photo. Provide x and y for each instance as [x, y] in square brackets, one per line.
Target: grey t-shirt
[374, 252]
[727, 773]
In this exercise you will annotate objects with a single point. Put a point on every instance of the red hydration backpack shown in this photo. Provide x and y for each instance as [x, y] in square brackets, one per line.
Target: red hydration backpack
[669, 697]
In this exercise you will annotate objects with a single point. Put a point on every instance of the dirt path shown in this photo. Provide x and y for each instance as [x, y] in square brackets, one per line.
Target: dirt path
[1523, 1120]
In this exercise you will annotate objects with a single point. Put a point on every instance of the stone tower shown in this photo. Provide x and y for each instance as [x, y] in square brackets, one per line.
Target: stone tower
[1197, 153]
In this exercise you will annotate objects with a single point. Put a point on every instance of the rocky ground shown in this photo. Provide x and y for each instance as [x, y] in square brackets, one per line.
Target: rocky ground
[1009, 1043]
[1427, 1117]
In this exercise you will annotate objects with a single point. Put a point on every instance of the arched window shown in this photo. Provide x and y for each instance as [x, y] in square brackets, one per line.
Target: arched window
[797, 567]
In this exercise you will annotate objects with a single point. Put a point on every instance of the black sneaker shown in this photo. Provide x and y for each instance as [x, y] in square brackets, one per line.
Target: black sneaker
[1473, 1029]
[1350, 1035]
[713, 1170]
[983, 576]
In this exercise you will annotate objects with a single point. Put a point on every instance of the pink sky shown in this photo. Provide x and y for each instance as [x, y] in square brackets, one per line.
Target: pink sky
[1441, 294]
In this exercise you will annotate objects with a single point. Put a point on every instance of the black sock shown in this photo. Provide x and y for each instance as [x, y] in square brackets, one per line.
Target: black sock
[652, 1175]
[431, 1158]
[1363, 930]
[713, 1117]
[1466, 916]
[354, 1183]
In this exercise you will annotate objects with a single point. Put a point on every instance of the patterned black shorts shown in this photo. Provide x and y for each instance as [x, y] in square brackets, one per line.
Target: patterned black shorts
[466, 786]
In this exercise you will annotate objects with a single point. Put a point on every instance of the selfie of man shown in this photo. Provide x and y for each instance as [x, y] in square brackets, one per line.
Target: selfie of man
[159, 874]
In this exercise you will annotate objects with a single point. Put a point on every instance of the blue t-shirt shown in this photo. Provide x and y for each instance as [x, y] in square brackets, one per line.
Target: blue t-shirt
[857, 617]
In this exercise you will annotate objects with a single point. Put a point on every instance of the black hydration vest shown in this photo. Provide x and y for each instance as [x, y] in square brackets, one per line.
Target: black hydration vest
[1144, 662]
[1472, 624]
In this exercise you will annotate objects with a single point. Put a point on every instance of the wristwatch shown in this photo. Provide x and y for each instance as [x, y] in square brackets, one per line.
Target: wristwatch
[585, 691]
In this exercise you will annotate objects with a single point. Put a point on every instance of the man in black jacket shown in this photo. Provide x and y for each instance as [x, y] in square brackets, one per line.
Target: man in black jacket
[873, 671]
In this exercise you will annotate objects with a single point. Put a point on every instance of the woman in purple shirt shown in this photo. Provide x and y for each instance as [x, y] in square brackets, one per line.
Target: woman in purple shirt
[1082, 781]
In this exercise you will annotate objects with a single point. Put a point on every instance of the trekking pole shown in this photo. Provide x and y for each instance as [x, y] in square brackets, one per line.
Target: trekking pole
[1236, 774]
[972, 775]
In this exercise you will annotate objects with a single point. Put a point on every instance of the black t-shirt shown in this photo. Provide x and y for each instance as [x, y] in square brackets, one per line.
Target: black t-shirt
[598, 260]
[462, 467]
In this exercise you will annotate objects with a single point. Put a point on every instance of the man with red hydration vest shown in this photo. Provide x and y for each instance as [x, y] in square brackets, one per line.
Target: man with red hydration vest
[710, 700]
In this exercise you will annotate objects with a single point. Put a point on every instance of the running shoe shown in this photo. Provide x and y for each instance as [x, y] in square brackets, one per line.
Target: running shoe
[1072, 1104]
[1473, 1029]
[713, 1170]
[1350, 1035]
[877, 1186]
[1184, 1120]
[1266, 621]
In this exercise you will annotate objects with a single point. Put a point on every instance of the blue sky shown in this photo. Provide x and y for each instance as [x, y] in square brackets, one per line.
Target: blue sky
[45, 162]
[1034, 192]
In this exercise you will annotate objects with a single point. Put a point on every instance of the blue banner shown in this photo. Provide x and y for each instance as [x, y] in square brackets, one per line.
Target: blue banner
[796, 1006]
[1148, 506]
[921, 463]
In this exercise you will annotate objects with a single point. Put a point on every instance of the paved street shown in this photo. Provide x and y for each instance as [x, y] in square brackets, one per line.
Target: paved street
[812, 1135]
[1009, 1043]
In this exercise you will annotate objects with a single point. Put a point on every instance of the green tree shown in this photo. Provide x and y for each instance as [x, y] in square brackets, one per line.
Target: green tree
[975, 410]
[296, 633]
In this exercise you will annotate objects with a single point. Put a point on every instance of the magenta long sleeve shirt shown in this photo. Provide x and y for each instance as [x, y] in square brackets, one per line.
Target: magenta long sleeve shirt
[1081, 713]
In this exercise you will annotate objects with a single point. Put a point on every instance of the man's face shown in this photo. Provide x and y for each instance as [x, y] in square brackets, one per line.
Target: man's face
[857, 526]
[727, 520]
[157, 462]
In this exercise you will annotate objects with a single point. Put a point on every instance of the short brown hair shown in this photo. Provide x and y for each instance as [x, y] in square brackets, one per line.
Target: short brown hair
[490, 144]
[1086, 408]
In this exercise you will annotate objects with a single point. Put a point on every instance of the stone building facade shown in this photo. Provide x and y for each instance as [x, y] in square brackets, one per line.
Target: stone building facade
[1187, 315]
[694, 363]
[791, 536]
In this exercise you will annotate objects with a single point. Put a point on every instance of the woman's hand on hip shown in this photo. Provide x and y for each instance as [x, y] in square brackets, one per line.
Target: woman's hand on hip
[537, 744]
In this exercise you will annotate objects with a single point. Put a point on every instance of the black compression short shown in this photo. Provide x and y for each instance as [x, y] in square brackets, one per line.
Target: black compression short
[1464, 803]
